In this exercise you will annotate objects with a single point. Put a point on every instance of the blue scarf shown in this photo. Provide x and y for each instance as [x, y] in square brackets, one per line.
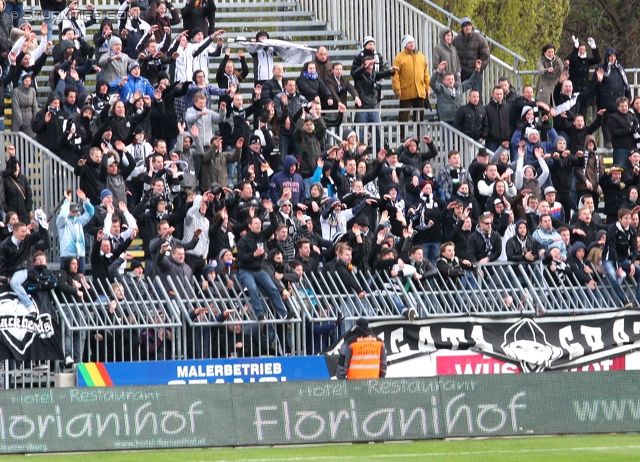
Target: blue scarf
[310, 75]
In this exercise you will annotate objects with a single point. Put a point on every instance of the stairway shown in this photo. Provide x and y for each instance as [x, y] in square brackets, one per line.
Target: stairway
[283, 20]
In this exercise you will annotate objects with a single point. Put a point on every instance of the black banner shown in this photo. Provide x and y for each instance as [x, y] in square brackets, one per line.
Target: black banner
[28, 335]
[536, 344]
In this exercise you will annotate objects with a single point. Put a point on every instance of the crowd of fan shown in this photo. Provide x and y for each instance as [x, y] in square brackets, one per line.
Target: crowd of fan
[251, 197]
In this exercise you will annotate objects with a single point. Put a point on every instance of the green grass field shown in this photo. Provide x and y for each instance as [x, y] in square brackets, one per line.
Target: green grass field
[585, 448]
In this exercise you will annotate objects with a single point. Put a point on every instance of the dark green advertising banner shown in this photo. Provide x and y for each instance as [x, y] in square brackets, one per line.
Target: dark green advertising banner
[81, 419]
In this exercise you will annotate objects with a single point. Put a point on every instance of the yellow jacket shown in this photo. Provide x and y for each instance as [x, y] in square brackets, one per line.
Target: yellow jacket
[412, 78]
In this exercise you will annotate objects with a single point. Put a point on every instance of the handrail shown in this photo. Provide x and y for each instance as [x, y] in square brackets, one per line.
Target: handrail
[450, 16]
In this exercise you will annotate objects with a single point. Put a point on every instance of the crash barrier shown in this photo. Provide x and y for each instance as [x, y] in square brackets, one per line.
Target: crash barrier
[139, 321]
[49, 177]
[153, 417]
[389, 133]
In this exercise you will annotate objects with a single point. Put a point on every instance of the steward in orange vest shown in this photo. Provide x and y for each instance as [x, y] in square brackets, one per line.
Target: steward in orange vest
[362, 355]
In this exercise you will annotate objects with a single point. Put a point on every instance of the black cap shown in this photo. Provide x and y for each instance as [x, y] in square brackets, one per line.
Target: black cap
[215, 189]
[135, 263]
[74, 207]
[482, 152]
[362, 322]
[262, 33]
[362, 220]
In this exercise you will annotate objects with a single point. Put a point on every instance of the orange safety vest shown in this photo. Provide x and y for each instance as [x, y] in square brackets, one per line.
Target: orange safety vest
[365, 358]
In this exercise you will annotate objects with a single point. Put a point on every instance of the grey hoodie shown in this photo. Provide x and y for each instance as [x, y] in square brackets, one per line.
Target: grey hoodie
[446, 52]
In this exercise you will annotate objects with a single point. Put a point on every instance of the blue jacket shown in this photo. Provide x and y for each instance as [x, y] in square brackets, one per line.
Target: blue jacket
[71, 230]
[284, 178]
[132, 85]
[529, 158]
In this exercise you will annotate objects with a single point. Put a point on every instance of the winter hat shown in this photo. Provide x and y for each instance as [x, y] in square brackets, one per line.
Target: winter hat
[577, 246]
[135, 263]
[66, 44]
[535, 174]
[114, 41]
[262, 33]
[133, 65]
[254, 138]
[22, 23]
[525, 110]
[347, 133]
[210, 268]
[368, 39]
[557, 245]
[465, 20]
[362, 220]
[362, 322]
[105, 193]
[407, 40]
[530, 131]
[195, 31]
[88, 107]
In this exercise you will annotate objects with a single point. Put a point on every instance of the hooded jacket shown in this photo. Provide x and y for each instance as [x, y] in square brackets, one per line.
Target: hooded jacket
[517, 247]
[286, 179]
[577, 266]
[71, 230]
[49, 133]
[24, 107]
[592, 168]
[614, 83]
[17, 191]
[446, 52]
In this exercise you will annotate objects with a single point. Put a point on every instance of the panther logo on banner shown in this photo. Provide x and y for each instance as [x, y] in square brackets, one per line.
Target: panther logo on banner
[20, 326]
[527, 343]
[535, 344]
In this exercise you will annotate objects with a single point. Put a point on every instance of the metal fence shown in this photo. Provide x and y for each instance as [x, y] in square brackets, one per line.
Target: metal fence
[48, 177]
[389, 132]
[136, 320]
[389, 21]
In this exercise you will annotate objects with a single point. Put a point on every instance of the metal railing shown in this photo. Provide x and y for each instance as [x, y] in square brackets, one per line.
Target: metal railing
[452, 18]
[48, 177]
[116, 3]
[136, 320]
[359, 18]
[389, 132]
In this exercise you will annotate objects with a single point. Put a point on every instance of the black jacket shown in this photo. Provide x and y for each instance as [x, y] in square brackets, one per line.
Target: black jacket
[248, 244]
[472, 121]
[498, 119]
[613, 85]
[368, 87]
[579, 68]
[14, 258]
[515, 249]
[622, 128]
[477, 248]
[622, 245]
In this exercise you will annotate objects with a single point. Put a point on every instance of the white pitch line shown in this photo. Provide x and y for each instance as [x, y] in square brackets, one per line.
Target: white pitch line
[428, 454]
